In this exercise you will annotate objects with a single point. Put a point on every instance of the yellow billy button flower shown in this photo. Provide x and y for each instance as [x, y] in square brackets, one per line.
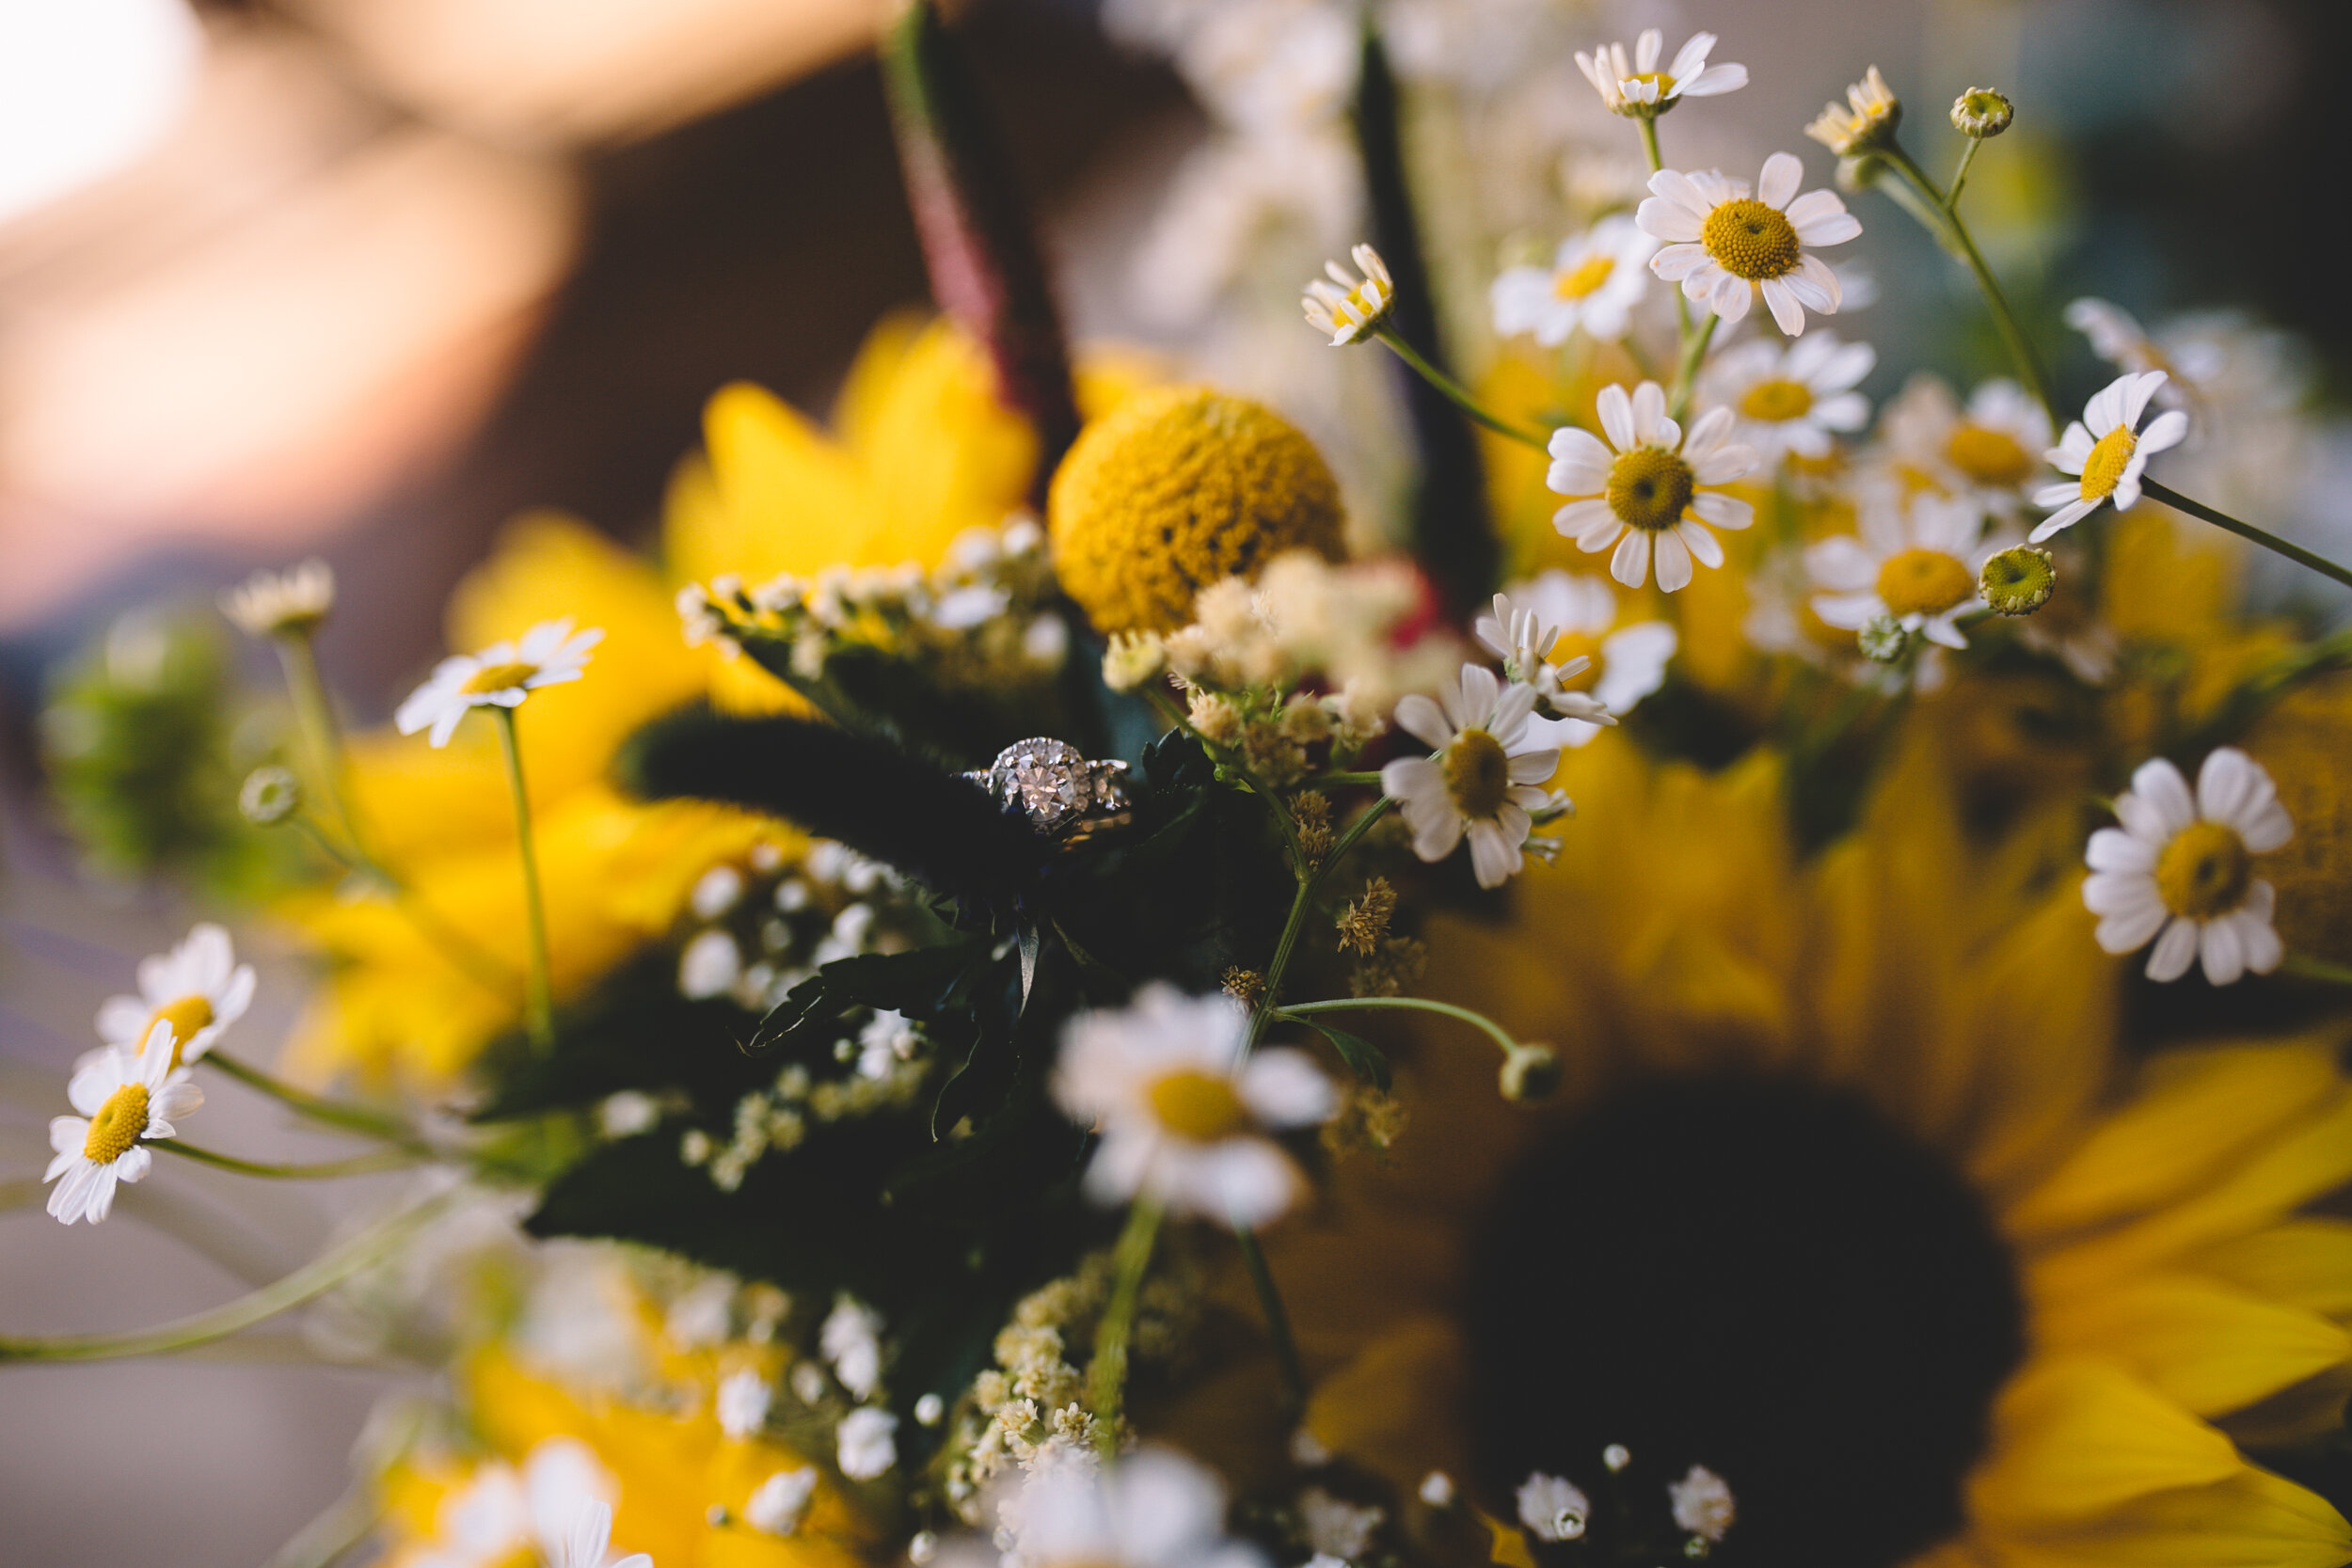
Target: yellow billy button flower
[1865, 124]
[1177, 488]
[2180, 869]
[1183, 1117]
[500, 675]
[2109, 451]
[1725, 245]
[125, 1099]
[1636, 88]
[1914, 565]
[1351, 308]
[1648, 491]
[1483, 782]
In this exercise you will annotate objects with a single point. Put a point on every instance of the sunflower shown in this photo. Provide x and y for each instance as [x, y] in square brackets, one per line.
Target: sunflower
[1850, 1199]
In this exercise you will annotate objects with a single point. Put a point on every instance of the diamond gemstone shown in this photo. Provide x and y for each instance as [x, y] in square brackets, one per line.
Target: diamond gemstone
[1049, 781]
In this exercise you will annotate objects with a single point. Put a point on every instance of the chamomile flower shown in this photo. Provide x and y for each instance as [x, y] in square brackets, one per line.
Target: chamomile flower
[2181, 869]
[2107, 450]
[1637, 89]
[587, 1540]
[1648, 491]
[1351, 308]
[1483, 782]
[543, 1511]
[1991, 450]
[1725, 246]
[282, 604]
[1866, 123]
[500, 675]
[1915, 564]
[1795, 399]
[198, 988]
[126, 1100]
[1617, 665]
[1594, 282]
[1183, 1118]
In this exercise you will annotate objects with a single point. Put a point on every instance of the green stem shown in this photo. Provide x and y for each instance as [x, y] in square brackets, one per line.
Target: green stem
[2271, 542]
[1687, 371]
[2317, 969]
[1300, 904]
[1457, 394]
[324, 1170]
[349, 1118]
[1960, 174]
[540, 1011]
[1341, 780]
[1409, 1004]
[1648, 124]
[2012, 336]
[313, 1278]
[1106, 1376]
[1277, 1321]
[1258, 787]
[315, 714]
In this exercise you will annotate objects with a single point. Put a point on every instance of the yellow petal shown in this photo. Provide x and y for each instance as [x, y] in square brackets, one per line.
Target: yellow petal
[2072, 1438]
[2212, 1104]
[1509, 1546]
[2252, 1519]
[1377, 1410]
[2304, 1262]
[2205, 1344]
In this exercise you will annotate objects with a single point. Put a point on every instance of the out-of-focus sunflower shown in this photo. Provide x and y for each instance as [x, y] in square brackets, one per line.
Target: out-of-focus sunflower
[1850, 1199]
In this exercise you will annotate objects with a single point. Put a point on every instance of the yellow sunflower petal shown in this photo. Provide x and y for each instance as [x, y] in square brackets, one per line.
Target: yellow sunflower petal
[2209, 1346]
[2074, 1438]
[2211, 1105]
[1376, 1409]
[2253, 1519]
[2305, 1262]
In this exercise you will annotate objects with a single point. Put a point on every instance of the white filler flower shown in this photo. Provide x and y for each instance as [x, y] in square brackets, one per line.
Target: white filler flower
[2181, 869]
[1645, 492]
[2108, 451]
[125, 1099]
[1594, 283]
[1485, 779]
[1702, 1503]
[1182, 1118]
[500, 675]
[1725, 246]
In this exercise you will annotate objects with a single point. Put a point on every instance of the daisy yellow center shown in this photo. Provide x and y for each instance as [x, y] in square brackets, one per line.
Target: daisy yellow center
[186, 1016]
[497, 677]
[1477, 773]
[118, 1125]
[1988, 456]
[1922, 581]
[1649, 486]
[1751, 240]
[2203, 873]
[1584, 278]
[1200, 1107]
[2104, 468]
[1777, 401]
[1658, 79]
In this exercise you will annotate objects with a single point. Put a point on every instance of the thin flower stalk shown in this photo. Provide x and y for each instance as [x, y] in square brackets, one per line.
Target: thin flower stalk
[323, 1170]
[1130, 1258]
[1455, 393]
[540, 1007]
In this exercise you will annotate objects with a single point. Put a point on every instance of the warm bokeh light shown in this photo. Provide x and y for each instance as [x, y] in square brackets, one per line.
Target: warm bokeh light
[87, 87]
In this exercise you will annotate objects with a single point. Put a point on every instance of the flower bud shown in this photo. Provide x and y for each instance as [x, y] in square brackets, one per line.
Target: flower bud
[1884, 641]
[271, 795]
[1981, 112]
[2017, 581]
[1531, 1072]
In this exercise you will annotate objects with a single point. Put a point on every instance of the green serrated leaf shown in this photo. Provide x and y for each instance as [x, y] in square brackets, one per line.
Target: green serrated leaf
[1363, 1058]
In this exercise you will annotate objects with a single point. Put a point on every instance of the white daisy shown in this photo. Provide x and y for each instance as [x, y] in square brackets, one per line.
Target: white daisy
[1155, 1509]
[1351, 308]
[1725, 246]
[1794, 399]
[2108, 451]
[1524, 635]
[198, 988]
[1991, 451]
[500, 675]
[1484, 780]
[1647, 490]
[275, 604]
[1702, 1501]
[1638, 88]
[1594, 282]
[1619, 665]
[127, 1098]
[1868, 120]
[1181, 1116]
[545, 1510]
[2181, 870]
[588, 1540]
[1917, 564]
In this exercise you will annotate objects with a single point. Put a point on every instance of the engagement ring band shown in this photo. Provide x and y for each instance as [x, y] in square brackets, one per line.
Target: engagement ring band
[1058, 790]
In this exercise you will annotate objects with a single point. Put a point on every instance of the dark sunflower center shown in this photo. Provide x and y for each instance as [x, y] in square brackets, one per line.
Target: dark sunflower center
[1762, 1277]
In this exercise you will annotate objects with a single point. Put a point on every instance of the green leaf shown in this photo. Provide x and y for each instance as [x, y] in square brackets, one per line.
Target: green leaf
[1363, 1058]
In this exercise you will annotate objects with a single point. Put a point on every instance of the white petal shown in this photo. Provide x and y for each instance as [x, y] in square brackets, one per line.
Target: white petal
[1650, 424]
[1422, 719]
[1721, 511]
[1285, 1088]
[2127, 930]
[2113, 849]
[2167, 430]
[2223, 954]
[1629, 562]
[1616, 416]
[2137, 395]
[1680, 261]
[1700, 543]
[2174, 951]
[1674, 562]
[1578, 518]
[1787, 314]
[1664, 218]
[1783, 175]
[2160, 784]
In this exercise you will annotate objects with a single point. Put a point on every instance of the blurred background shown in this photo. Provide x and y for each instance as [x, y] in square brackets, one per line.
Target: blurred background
[366, 278]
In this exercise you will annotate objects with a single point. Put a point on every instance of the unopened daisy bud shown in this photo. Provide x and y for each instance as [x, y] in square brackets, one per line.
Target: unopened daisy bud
[1437, 1489]
[1865, 125]
[270, 795]
[1884, 641]
[1531, 1072]
[2017, 581]
[1617, 1456]
[1981, 112]
[1351, 308]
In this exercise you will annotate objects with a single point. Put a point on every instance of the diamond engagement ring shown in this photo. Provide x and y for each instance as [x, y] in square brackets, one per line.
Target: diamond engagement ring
[1058, 790]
